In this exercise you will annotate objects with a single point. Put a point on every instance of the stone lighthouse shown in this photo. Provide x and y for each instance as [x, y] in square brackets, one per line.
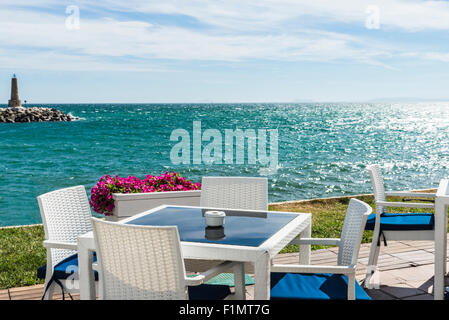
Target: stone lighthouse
[15, 101]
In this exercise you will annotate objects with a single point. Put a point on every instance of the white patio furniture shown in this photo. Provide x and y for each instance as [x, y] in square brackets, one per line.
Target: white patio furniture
[275, 230]
[234, 193]
[326, 282]
[65, 215]
[249, 193]
[441, 209]
[395, 226]
[145, 263]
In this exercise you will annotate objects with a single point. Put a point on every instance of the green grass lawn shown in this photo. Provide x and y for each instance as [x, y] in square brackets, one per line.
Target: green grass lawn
[21, 253]
[21, 250]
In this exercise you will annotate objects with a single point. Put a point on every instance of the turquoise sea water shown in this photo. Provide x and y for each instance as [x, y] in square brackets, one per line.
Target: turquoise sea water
[323, 148]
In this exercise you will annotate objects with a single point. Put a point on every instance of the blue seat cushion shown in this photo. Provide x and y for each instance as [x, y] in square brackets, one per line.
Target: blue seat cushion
[208, 292]
[313, 286]
[68, 266]
[402, 221]
[64, 269]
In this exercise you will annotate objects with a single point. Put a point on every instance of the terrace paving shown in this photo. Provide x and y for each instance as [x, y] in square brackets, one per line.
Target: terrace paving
[406, 272]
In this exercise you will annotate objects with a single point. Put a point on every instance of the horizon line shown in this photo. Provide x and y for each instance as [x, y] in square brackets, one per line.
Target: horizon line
[241, 102]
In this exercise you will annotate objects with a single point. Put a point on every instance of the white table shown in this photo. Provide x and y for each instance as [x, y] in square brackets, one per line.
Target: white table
[260, 256]
[441, 208]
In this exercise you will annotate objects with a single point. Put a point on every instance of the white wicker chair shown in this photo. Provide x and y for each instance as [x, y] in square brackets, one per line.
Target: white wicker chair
[65, 215]
[234, 193]
[395, 226]
[250, 193]
[145, 263]
[300, 281]
[230, 193]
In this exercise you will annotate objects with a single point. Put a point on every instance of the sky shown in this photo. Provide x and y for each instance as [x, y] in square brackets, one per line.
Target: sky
[145, 51]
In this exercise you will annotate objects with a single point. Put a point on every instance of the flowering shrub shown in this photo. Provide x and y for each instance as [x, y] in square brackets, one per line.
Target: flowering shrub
[101, 194]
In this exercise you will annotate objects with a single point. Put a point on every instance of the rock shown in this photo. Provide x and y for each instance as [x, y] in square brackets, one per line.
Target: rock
[34, 114]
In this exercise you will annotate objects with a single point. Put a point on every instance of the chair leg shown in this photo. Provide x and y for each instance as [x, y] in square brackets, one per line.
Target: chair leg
[99, 289]
[50, 291]
[444, 263]
[371, 268]
[239, 281]
[351, 287]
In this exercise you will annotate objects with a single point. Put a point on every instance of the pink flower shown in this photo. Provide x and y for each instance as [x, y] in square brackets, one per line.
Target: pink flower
[101, 194]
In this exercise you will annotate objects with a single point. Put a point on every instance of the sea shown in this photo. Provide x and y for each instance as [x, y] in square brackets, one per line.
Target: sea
[319, 149]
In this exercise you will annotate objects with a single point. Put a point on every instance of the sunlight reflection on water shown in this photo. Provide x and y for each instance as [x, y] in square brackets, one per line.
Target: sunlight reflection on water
[323, 148]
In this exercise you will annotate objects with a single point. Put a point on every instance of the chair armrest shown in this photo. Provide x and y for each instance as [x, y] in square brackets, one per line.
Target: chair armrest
[209, 274]
[320, 241]
[405, 204]
[295, 268]
[409, 194]
[60, 245]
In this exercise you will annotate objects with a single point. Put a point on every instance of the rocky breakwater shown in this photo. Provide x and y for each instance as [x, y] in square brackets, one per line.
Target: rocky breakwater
[34, 114]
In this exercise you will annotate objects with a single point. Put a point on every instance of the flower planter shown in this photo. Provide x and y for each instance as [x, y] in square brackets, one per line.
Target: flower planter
[129, 204]
[117, 197]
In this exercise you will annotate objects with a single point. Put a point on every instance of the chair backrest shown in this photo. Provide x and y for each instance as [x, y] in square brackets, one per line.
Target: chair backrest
[139, 262]
[378, 185]
[65, 215]
[352, 233]
[234, 193]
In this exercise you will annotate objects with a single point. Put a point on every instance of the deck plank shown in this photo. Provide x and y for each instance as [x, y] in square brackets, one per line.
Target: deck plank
[406, 272]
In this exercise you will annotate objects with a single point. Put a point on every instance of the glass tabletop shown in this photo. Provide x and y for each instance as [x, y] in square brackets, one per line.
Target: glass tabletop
[244, 228]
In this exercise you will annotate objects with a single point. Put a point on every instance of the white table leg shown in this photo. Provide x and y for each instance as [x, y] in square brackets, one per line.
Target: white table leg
[239, 281]
[85, 271]
[440, 254]
[304, 250]
[262, 277]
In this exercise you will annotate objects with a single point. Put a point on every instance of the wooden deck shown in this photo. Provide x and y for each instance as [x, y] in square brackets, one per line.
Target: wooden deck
[406, 272]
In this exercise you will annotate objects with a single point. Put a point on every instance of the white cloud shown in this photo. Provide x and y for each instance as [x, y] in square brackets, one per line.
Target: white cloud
[112, 38]
[238, 30]
[410, 15]
[440, 56]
